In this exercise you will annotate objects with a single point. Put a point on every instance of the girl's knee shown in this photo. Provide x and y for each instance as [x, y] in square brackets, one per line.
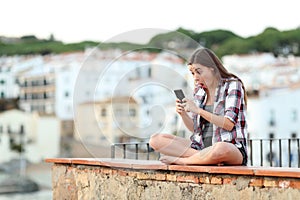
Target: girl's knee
[228, 153]
[220, 151]
[158, 139]
[154, 140]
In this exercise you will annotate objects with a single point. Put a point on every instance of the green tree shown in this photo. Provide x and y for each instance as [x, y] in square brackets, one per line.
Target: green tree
[223, 42]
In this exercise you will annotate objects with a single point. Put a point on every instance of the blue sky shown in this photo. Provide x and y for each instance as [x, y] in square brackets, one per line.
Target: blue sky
[77, 20]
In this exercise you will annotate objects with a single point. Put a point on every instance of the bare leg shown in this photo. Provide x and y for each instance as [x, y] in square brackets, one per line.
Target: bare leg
[220, 152]
[171, 145]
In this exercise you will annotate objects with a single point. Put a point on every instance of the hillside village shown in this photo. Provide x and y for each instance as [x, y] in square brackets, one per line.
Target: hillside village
[95, 98]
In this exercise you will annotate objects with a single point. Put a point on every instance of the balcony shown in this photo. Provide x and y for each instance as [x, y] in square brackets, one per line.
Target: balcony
[282, 152]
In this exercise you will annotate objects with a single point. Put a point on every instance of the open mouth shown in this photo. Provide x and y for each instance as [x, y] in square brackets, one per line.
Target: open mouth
[202, 85]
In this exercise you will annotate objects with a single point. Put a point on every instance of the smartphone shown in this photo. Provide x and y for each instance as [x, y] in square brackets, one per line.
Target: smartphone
[179, 94]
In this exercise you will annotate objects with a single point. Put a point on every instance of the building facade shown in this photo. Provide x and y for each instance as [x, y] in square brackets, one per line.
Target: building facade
[36, 136]
[112, 120]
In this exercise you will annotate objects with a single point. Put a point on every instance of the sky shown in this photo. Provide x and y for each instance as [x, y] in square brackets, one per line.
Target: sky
[110, 20]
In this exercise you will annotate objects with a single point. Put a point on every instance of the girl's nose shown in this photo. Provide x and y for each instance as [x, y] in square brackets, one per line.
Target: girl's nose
[195, 76]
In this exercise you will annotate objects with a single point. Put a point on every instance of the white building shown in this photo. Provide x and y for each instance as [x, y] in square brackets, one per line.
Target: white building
[9, 68]
[8, 85]
[65, 79]
[39, 134]
[248, 62]
[6, 152]
[275, 115]
[48, 86]
[149, 78]
[264, 70]
[112, 120]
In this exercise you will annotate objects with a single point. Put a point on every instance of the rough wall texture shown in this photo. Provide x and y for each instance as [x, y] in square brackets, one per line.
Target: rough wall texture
[97, 182]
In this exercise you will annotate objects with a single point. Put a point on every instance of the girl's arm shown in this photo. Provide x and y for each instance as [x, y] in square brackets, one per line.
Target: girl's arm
[217, 120]
[188, 122]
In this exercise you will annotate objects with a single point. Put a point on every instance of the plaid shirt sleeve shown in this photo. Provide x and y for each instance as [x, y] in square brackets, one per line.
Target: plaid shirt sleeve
[233, 101]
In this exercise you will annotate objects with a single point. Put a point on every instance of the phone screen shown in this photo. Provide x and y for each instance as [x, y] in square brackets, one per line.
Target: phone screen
[179, 94]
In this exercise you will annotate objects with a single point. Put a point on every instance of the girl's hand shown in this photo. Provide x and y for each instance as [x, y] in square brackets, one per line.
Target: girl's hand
[190, 106]
[179, 107]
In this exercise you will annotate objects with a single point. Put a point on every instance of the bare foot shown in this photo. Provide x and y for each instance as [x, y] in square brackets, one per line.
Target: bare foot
[171, 160]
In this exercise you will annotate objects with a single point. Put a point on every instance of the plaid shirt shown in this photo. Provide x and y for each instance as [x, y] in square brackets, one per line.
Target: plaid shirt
[230, 103]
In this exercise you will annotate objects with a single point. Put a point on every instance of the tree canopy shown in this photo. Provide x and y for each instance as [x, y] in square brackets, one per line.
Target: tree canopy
[223, 42]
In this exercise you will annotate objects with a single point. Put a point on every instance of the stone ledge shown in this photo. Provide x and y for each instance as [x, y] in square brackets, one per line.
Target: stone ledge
[106, 178]
[157, 165]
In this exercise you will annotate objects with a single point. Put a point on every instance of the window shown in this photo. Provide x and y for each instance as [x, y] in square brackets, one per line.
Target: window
[32, 108]
[294, 115]
[160, 124]
[42, 108]
[102, 137]
[138, 72]
[2, 82]
[272, 118]
[176, 119]
[149, 72]
[132, 112]
[68, 109]
[145, 99]
[271, 135]
[103, 112]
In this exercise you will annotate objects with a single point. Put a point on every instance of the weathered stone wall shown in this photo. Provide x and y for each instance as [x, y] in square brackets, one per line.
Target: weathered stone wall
[100, 182]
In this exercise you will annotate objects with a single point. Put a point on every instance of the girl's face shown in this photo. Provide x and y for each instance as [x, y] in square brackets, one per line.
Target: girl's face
[202, 75]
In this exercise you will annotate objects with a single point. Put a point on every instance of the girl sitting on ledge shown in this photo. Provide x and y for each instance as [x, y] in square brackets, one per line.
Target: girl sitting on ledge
[218, 118]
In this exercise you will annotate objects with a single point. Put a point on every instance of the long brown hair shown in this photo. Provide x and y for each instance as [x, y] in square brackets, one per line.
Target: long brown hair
[208, 58]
